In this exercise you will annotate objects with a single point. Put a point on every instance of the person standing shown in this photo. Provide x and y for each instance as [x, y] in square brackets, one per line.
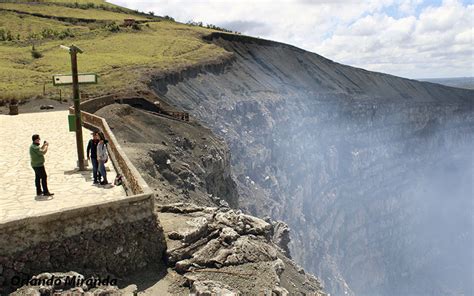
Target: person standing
[92, 156]
[37, 163]
[102, 157]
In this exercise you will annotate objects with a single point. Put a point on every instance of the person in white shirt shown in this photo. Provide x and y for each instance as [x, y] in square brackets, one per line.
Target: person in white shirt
[102, 157]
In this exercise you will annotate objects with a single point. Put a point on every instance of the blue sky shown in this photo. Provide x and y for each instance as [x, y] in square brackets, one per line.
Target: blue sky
[408, 38]
[393, 10]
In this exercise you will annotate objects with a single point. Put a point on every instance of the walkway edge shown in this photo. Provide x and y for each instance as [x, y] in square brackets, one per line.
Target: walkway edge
[133, 181]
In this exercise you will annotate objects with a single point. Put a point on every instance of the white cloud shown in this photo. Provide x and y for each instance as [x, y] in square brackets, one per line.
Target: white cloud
[379, 35]
[409, 6]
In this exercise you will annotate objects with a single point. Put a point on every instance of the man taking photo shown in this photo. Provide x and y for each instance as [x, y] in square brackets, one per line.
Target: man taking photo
[37, 162]
[92, 155]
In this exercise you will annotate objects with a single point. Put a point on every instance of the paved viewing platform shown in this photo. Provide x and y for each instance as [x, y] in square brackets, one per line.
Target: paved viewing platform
[17, 179]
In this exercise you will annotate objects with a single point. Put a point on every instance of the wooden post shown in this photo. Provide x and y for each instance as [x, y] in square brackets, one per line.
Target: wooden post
[76, 97]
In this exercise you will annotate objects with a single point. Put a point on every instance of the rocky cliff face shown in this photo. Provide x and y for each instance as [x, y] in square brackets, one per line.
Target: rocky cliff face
[210, 250]
[227, 252]
[182, 161]
[373, 173]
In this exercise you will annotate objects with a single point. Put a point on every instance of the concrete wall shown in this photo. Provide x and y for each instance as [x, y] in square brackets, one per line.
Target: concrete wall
[92, 105]
[114, 238]
[143, 101]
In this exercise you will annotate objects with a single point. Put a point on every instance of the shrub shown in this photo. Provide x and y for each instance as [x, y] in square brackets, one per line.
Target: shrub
[9, 36]
[3, 34]
[193, 23]
[33, 36]
[136, 26]
[35, 54]
[48, 33]
[217, 28]
[112, 27]
[210, 26]
[65, 34]
[6, 35]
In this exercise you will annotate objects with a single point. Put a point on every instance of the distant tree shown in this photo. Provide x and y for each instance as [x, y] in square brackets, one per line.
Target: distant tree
[35, 54]
[193, 23]
[169, 18]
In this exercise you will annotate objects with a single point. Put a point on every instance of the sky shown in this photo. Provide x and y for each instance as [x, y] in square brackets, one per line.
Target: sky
[408, 38]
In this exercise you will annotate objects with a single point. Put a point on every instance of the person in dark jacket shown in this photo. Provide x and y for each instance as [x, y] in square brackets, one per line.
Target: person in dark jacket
[92, 156]
[37, 163]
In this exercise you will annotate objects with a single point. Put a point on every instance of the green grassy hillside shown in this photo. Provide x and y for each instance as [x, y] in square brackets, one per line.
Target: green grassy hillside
[122, 56]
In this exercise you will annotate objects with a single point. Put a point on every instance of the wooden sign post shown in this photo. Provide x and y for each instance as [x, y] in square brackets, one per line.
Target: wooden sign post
[73, 50]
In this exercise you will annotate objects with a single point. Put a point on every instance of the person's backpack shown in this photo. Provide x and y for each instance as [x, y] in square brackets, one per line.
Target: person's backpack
[118, 180]
[106, 149]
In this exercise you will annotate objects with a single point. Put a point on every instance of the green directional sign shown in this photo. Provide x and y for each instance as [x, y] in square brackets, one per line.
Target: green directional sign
[84, 78]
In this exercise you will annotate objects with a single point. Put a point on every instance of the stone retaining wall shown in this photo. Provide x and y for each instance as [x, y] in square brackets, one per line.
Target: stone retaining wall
[94, 104]
[143, 101]
[109, 238]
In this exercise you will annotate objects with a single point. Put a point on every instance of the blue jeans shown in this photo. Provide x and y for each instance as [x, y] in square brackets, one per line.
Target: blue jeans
[95, 168]
[102, 171]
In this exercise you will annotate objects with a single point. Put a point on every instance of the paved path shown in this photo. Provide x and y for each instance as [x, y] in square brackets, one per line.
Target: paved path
[17, 188]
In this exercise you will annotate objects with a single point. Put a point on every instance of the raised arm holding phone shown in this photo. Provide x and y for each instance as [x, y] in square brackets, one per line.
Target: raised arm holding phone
[37, 163]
